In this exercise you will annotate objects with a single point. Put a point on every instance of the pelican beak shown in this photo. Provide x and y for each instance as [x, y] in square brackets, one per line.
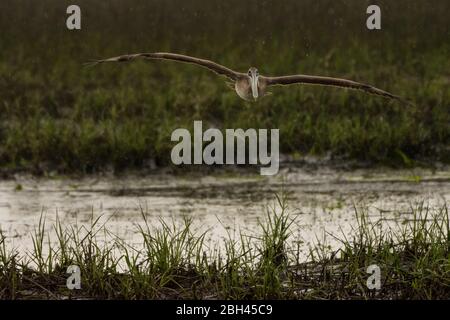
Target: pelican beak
[254, 84]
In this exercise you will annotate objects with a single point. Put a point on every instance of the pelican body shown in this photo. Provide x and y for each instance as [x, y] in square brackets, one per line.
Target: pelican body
[251, 86]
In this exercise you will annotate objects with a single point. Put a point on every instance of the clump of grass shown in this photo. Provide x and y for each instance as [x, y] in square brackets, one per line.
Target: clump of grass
[413, 256]
[9, 274]
[274, 260]
[175, 261]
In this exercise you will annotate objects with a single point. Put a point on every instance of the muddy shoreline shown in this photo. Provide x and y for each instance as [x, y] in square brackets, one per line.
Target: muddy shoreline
[287, 162]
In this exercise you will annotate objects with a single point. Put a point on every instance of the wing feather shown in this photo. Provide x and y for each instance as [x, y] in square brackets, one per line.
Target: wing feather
[328, 81]
[213, 66]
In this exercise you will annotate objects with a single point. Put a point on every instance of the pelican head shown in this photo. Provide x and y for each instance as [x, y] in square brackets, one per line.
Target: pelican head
[254, 75]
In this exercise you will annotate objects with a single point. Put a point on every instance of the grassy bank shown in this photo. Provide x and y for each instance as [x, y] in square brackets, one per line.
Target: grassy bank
[176, 262]
[57, 115]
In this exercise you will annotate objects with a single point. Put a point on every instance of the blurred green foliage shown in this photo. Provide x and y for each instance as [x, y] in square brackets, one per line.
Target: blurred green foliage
[57, 114]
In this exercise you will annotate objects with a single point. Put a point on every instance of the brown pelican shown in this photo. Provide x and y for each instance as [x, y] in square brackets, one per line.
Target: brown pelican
[251, 85]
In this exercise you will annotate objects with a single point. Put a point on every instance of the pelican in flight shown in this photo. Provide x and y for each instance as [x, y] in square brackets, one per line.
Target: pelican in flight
[251, 85]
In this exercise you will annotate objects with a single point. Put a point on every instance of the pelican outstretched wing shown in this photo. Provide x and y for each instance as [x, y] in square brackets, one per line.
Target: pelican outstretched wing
[328, 81]
[215, 67]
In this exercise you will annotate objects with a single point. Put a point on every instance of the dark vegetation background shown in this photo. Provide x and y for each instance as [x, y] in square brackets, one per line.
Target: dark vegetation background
[56, 114]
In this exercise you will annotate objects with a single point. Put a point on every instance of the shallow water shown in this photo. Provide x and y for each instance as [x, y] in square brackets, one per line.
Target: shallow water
[321, 200]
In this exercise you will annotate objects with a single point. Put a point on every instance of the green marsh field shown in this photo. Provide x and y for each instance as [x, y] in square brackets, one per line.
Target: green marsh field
[58, 115]
[86, 176]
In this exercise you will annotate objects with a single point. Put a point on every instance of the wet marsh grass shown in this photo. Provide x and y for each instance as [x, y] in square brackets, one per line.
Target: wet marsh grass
[58, 116]
[176, 262]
